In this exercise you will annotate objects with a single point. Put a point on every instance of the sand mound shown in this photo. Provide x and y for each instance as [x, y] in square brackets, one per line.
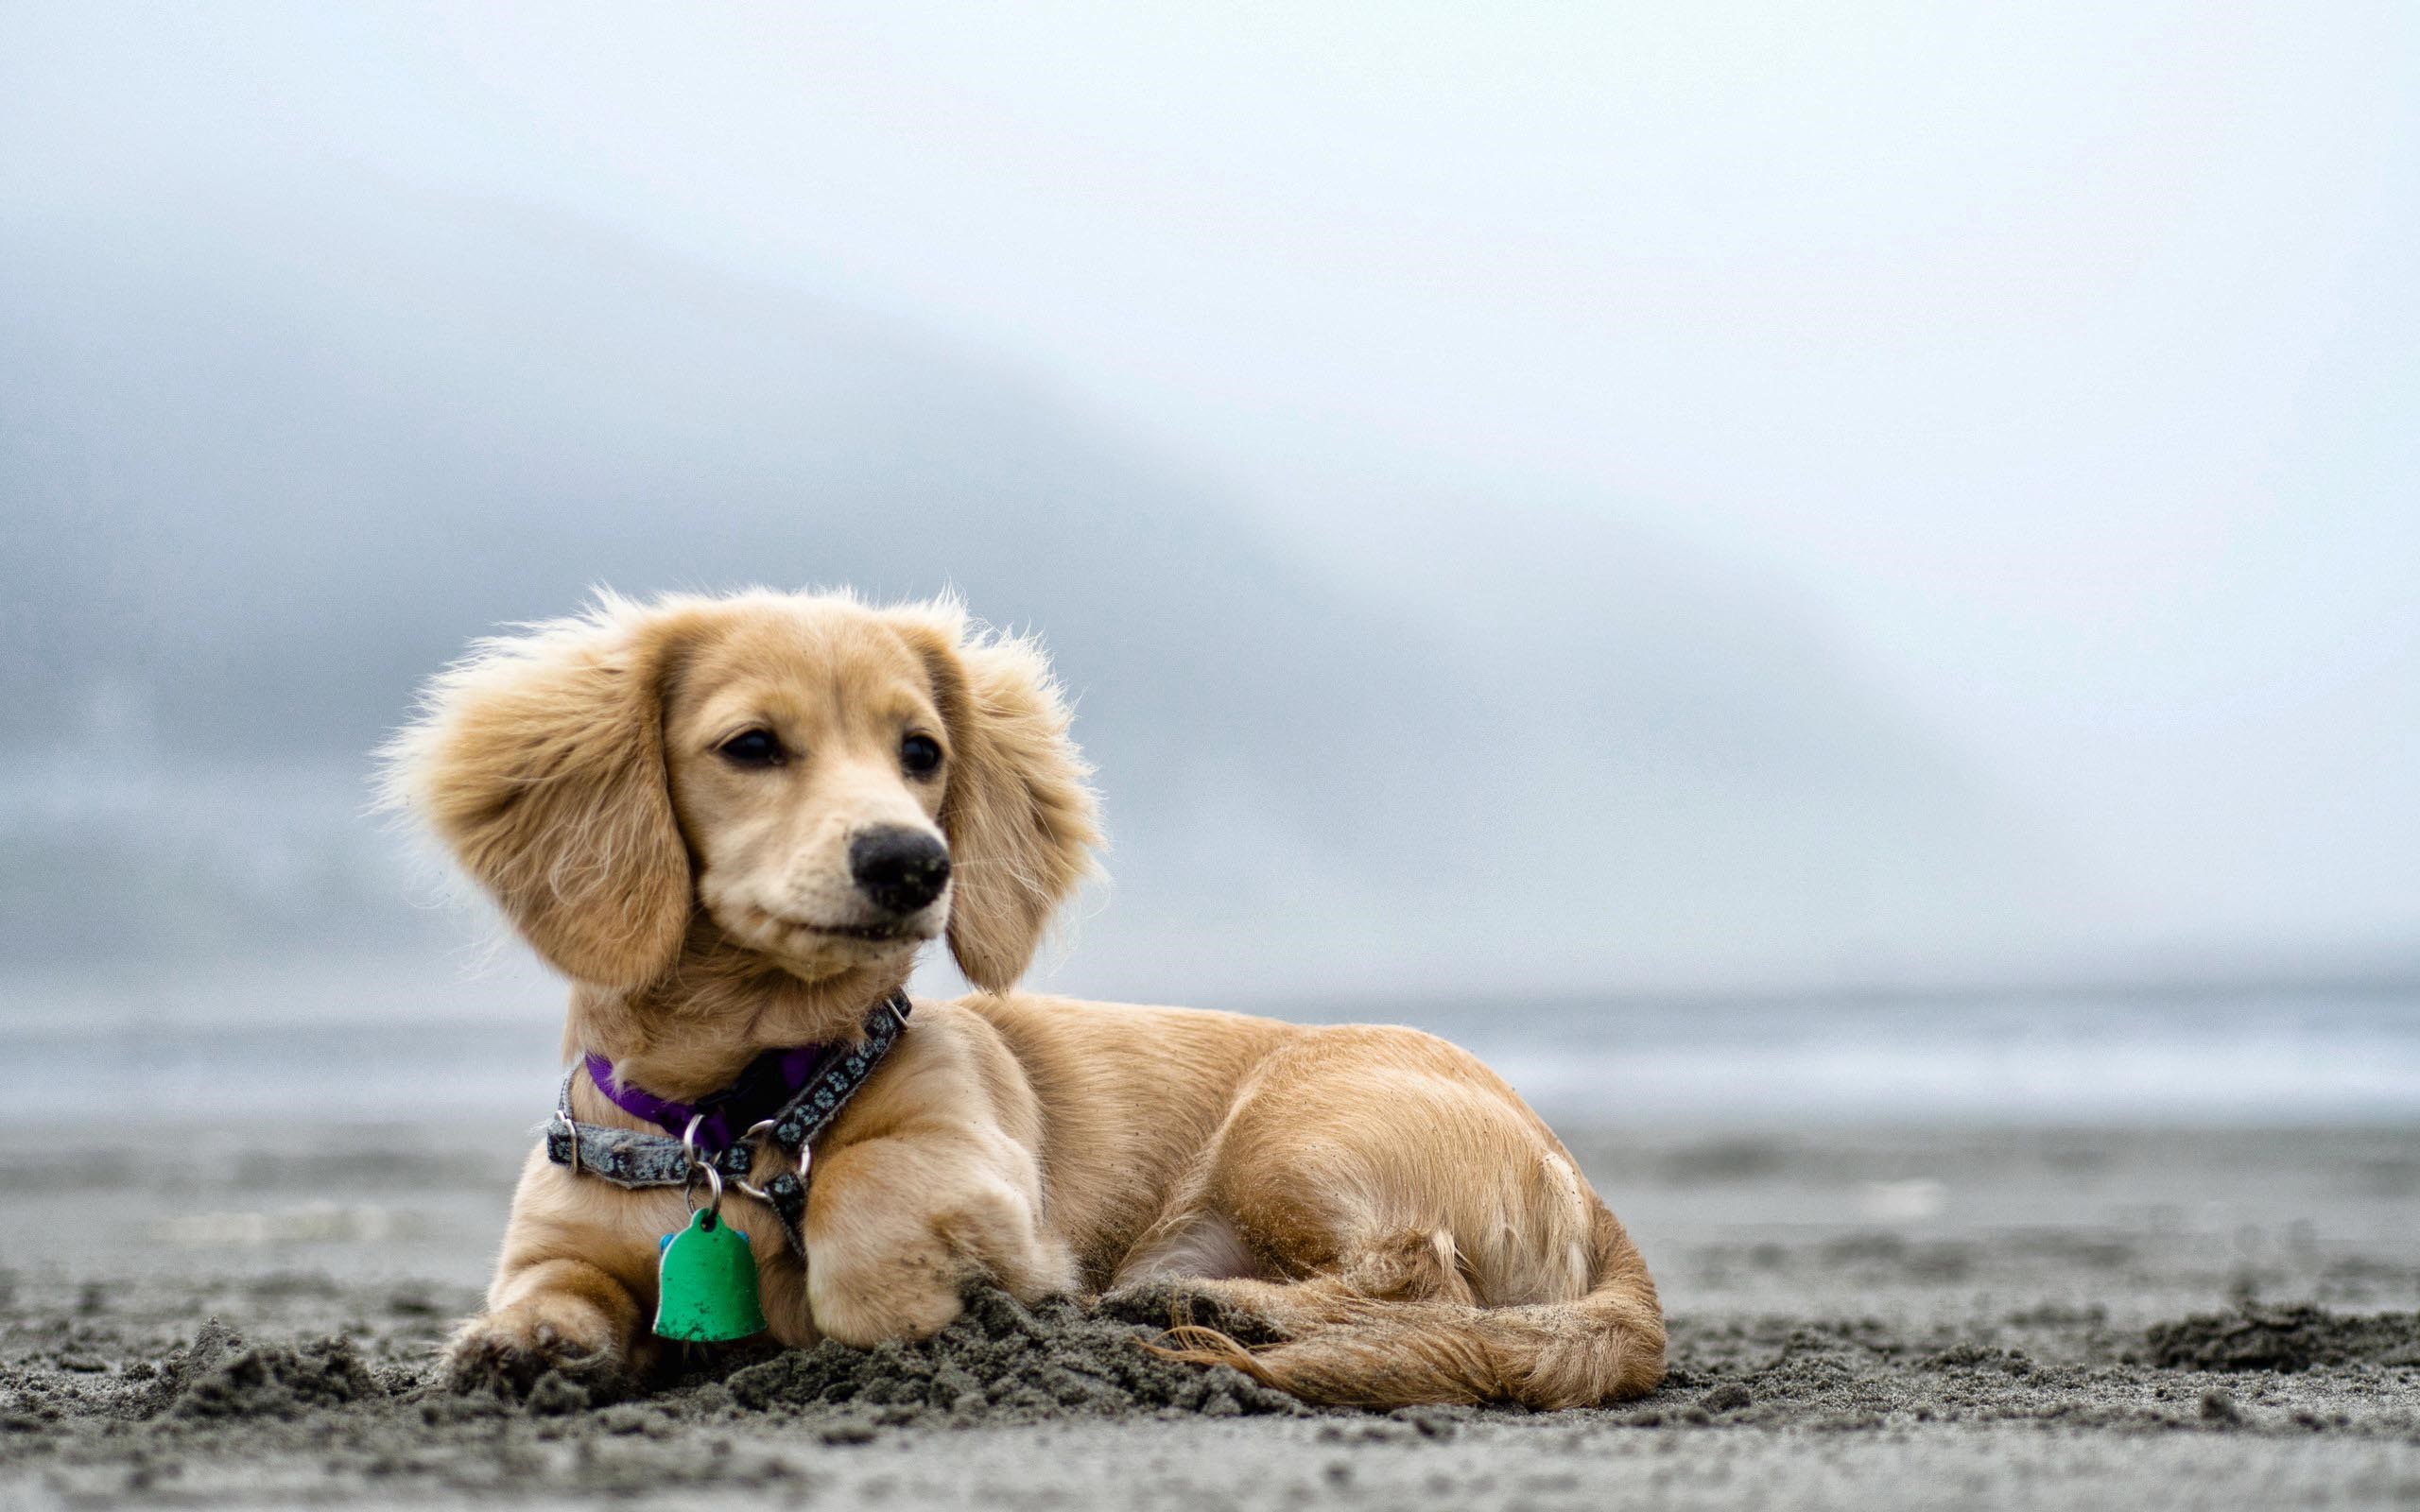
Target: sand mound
[1002, 1362]
[218, 1376]
[2284, 1338]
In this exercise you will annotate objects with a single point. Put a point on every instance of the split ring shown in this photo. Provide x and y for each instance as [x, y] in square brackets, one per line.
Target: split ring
[714, 1182]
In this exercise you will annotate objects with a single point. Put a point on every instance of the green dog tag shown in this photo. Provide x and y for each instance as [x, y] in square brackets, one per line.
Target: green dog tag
[705, 1283]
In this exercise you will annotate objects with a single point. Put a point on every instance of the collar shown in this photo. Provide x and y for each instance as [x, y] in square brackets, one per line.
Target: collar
[635, 1162]
[763, 1089]
[760, 1089]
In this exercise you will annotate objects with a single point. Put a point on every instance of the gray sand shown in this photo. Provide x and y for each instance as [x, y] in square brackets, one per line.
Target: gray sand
[1874, 1318]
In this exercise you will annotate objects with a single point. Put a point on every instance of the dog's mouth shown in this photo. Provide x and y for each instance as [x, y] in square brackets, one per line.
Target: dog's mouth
[870, 934]
[789, 937]
[911, 929]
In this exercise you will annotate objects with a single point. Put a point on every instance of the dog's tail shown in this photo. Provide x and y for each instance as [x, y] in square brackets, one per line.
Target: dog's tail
[1401, 1351]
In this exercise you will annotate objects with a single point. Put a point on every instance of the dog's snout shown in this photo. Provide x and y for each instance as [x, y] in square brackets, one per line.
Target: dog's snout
[900, 869]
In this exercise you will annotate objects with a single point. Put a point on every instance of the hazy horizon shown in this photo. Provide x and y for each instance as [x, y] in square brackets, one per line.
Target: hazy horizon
[1766, 501]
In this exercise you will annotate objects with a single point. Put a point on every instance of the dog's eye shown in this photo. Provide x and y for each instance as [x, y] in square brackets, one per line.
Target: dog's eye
[920, 755]
[752, 747]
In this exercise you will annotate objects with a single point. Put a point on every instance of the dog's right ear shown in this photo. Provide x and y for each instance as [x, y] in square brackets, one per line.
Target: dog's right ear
[539, 761]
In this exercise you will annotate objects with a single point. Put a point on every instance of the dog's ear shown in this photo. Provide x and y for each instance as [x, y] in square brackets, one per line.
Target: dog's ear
[539, 761]
[1020, 818]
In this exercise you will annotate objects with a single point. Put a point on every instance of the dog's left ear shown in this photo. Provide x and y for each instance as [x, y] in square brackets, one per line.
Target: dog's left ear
[1021, 821]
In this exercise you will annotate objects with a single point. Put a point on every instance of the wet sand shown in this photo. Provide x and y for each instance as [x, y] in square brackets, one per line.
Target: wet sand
[1860, 1318]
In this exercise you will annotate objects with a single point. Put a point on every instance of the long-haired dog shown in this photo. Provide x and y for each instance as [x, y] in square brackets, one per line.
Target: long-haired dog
[732, 822]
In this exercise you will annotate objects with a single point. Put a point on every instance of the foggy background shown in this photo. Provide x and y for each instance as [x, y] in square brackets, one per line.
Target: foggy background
[1722, 553]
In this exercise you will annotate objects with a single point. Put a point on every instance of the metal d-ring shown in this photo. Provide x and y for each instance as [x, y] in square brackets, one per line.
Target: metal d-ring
[714, 1177]
[805, 1157]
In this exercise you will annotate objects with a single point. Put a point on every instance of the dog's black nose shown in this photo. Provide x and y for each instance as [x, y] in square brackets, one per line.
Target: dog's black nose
[900, 869]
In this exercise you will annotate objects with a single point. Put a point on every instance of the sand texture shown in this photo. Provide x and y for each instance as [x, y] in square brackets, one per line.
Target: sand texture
[1862, 1320]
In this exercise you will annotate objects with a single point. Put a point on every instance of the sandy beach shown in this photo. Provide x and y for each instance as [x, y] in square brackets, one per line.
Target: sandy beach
[1867, 1317]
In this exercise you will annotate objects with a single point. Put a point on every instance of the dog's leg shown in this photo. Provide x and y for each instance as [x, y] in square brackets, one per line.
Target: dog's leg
[559, 1315]
[1408, 1266]
[571, 1289]
[896, 1226]
[1442, 1246]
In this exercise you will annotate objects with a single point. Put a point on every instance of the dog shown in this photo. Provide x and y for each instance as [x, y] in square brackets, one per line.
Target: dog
[733, 821]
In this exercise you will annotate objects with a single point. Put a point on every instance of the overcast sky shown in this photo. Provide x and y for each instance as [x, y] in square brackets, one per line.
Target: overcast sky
[2059, 364]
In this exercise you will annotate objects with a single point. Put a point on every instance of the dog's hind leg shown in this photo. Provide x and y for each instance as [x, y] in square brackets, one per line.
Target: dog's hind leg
[1430, 1240]
[1406, 1266]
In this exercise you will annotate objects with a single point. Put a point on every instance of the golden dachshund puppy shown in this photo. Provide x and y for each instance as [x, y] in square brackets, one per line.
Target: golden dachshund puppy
[733, 821]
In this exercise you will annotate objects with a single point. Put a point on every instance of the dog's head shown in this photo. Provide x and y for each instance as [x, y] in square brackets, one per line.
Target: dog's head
[828, 785]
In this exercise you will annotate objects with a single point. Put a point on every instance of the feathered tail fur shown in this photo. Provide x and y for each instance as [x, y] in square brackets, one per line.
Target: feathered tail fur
[1418, 1346]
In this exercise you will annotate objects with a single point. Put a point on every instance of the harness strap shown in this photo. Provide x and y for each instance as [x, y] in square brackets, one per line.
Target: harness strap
[637, 1161]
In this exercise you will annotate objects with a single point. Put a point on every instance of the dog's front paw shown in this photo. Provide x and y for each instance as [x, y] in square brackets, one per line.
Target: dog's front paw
[862, 1310]
[506, 1353]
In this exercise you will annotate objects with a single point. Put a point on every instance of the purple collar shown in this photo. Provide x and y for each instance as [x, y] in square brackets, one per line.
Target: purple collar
[761, 1091]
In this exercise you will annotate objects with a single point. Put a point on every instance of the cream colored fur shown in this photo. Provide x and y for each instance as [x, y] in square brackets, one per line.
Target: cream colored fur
[1375, 1194]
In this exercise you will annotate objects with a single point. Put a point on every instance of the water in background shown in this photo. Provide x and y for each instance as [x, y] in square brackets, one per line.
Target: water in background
[429, 1034]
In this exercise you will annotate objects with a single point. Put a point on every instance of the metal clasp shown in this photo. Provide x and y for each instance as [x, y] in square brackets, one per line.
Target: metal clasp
[571, 1136]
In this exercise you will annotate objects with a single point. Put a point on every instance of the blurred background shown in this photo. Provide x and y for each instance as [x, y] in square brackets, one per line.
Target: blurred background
[1747, 560]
